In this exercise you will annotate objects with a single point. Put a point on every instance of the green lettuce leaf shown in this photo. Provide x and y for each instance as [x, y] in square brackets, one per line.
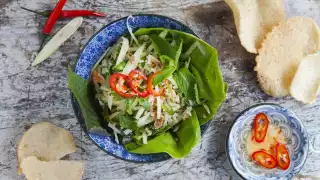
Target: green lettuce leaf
[188, 136]
[80, 89]
[210, 81]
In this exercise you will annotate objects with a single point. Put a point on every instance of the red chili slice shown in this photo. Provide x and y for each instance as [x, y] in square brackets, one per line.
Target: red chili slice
[260, 124]
[98, 78]
[151, 89]
[264, 159]
[283, 157]
[118, 82]
[136, 79]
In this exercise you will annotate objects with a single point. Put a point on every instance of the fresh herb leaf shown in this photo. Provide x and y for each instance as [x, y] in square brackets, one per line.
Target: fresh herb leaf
[168, 109]
[162, 47]
[167, 60]
[195, 45]
[129, 103]
[107, 77]
[145, 103]
[186, 83]
[137, 137]
[165, 72]
[127, 122]
[171, 61]
[178, 52]
[197, 93]
[131, 145]
[119, 67]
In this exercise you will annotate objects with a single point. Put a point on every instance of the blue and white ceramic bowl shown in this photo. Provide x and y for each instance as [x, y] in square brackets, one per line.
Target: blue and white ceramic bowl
[95, 47]
[292, 129]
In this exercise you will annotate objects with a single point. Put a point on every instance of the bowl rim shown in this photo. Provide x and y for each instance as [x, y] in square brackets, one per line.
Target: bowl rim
[245, 110]
[73, 100]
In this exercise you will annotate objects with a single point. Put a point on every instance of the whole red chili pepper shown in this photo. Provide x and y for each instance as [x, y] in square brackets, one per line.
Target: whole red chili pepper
[53, 17]
[76, 13]
[67, 13]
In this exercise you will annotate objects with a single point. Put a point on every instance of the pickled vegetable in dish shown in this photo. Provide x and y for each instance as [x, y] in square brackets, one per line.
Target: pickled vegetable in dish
[266, 144]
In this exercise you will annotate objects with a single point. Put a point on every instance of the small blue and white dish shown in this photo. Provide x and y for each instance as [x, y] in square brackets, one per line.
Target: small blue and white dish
[291, 127]
[90, 54]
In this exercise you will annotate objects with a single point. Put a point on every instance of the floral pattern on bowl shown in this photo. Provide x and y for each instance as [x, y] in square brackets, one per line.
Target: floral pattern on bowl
[291, 127]
[92, 51]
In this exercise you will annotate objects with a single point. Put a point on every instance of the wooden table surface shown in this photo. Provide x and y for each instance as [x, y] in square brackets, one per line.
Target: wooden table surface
[29, 95]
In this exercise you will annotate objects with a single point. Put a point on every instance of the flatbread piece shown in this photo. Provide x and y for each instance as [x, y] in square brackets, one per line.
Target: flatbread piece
[306, 82]
[45, 141]
[282, 51]
[34, 169]
[254, 19]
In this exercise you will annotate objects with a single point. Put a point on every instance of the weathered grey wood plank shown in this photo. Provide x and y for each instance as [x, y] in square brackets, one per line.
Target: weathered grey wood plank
[29, 95]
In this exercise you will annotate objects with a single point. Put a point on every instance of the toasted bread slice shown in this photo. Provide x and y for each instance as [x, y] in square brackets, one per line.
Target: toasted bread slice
[306, 82]
[254, 18]
[45, 141]
[282, 51]
[34, 169]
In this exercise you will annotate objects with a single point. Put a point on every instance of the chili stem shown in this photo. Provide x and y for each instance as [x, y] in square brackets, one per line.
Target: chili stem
[42, 13]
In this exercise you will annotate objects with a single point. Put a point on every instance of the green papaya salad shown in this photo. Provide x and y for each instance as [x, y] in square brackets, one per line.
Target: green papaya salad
[156, 87]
